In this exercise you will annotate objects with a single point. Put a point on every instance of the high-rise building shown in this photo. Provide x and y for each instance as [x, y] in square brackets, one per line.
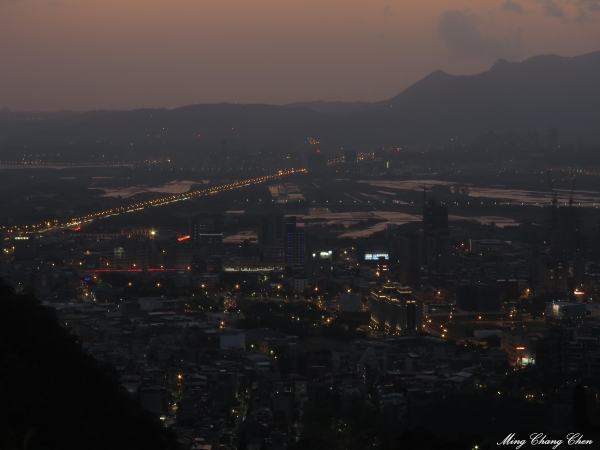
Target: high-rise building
[351, 302]
[127, 253]
[24, 248]
[350, 159]
[272, 228]
[595, 243]
[552, 138]
[182, 256]
[201, 225]
[554, 274]
[350, 156]
[532, 139]
[319, 265]
[295, 245]
[436, 237]
[271, 237]
[408, 260]
[316, 160]
[211, 244]
[396, 310]
[563, 227]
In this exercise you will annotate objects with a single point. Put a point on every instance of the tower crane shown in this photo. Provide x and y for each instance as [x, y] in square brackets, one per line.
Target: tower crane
[554, 196]
[572, 189]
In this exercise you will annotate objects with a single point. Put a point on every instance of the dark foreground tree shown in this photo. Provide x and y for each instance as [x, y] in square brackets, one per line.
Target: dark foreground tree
[53, 396]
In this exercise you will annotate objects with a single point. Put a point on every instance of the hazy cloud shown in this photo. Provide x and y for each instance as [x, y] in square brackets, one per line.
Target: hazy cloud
[591, 5]
[387, 11]
[582, 17]
[464, 40]
[585, 6]
[552, 9]
[511, 6]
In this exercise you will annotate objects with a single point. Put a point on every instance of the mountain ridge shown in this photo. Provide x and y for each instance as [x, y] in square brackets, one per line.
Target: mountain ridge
[440, 109]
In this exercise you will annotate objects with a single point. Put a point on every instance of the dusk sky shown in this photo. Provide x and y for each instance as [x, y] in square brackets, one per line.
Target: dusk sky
[125, 54]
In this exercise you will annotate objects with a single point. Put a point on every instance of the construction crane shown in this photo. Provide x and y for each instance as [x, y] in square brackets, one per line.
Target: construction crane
[572, 189]
[425, 189]
[425, 226]
[554, 196]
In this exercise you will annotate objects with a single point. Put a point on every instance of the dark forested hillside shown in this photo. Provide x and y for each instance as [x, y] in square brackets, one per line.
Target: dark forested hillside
[53, 396]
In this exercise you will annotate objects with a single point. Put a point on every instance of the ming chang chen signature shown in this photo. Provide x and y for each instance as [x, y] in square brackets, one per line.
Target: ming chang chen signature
[543, 441]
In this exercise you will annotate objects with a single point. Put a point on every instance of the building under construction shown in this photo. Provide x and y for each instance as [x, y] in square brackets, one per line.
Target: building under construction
[563, 225]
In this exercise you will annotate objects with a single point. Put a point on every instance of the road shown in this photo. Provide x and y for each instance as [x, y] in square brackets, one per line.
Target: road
[75, 221]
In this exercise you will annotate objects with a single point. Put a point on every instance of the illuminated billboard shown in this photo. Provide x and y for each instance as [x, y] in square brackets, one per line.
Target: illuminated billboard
[376, 256]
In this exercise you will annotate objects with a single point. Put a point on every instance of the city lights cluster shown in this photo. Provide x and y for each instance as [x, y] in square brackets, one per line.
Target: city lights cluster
[335, 160]
[76, 221]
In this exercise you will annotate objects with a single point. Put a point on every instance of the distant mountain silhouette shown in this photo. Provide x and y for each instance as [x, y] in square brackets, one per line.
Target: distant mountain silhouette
[336, 108]
[540, 92]
[444, 109]
[441, 109]
[244, 126]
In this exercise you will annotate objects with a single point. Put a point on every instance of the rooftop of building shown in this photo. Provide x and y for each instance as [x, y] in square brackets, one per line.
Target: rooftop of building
[265, 333]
